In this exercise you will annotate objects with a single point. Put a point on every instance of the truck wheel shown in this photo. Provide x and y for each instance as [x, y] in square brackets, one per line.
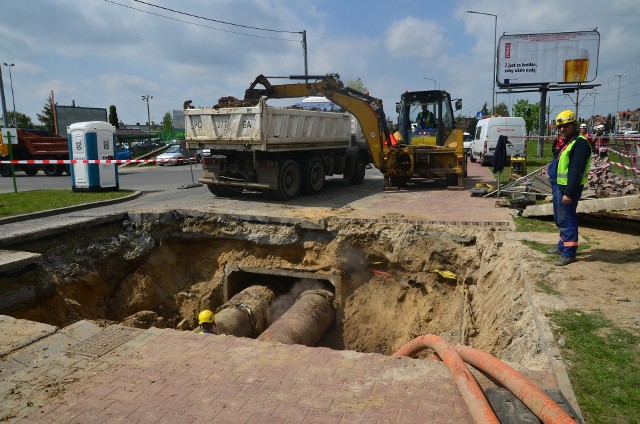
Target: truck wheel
[288, 180]
[399, 181]
[472, 158]
[222, 191]
[312, 175]
[31, 170]
[452, 180]
[359, 170]
[53, 170]
[5, 170]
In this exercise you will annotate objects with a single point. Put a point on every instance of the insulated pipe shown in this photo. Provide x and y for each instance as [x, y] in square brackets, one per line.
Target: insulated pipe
[471, 392]
[245, 314]
[305, 322]
[536, 400]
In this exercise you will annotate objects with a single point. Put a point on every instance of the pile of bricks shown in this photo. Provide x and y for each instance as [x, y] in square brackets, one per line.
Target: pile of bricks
[607, 183]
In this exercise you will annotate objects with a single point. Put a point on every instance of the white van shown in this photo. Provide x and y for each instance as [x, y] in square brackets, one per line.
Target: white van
[486, 137]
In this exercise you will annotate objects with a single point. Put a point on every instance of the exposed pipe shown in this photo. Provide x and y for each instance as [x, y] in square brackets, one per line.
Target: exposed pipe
[531, 395]
[305, 322]
[245, 314]
[474, 398]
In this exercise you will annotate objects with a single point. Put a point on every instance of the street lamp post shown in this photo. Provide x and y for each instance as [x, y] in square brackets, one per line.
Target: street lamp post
[617, 103]
[431, 79]
[13, 99]
[495, 49]
[146, 98]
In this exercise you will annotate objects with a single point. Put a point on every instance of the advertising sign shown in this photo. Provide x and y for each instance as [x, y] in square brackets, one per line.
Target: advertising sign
[534, 59]
[67, 115]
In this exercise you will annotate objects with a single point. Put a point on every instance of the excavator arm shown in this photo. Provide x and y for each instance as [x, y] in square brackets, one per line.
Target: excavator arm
[366, 109]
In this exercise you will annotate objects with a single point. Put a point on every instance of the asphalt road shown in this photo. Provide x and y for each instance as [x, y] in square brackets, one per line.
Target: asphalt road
[149, 178]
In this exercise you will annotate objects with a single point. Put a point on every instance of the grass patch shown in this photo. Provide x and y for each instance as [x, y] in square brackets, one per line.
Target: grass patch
[604, 366]
[547, 289]
[530, 225]
[42, 200]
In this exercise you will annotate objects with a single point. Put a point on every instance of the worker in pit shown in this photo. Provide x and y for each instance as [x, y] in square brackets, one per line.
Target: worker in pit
[568, 173]
[207, 323]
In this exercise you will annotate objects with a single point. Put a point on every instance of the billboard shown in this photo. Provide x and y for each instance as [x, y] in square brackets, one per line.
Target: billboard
[534, 59]
[67, 115]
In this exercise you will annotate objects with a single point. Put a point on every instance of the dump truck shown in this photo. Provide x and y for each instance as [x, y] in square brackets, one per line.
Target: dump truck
[35, 145]
[283, 151]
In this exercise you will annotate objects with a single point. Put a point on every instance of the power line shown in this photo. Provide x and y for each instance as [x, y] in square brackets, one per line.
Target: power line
[201, 25]
[215, 20]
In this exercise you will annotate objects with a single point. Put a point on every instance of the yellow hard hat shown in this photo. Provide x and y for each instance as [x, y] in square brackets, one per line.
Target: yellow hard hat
[565, 117]
[206, 316]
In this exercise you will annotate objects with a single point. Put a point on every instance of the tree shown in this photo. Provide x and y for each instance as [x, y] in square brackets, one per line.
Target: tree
[358, 85]
[502, 109]
[485, 109]
[23, 120]
[530, 113]
[167, 122]
[113, 116]
[46, 117]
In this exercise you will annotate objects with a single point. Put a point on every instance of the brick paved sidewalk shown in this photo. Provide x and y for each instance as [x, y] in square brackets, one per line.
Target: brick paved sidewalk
[167, 376]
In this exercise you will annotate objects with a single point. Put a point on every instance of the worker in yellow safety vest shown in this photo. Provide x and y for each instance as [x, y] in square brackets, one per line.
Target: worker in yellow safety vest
[568, 173]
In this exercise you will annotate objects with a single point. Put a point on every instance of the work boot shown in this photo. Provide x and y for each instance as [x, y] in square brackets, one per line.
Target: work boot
[565, 260]
[553, 251]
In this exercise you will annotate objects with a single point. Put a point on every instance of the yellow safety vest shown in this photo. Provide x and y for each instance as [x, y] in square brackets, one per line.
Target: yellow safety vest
[563, 164]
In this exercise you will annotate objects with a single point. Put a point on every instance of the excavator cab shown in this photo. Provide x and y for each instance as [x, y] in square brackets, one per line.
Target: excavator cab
[425, 118]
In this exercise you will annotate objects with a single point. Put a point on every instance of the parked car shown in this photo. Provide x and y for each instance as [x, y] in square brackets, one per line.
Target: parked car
[467, 139]
[174, 155]
[123, 153]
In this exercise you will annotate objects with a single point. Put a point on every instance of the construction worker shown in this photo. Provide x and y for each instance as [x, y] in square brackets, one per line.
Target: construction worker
[207, 323]
[600, 143]
[568, 173]
[583, 131]
[426, 117]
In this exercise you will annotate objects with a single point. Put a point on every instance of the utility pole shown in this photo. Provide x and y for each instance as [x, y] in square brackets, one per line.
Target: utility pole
[13, 98]
[618, 102]
[146, 98]
[495, 57]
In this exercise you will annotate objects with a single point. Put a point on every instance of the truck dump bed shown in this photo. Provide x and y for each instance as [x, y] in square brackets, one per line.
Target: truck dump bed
[38, 144]
[266, 128]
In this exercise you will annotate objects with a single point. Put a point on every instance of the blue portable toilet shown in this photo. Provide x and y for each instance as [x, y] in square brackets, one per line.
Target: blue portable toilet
[93, 140]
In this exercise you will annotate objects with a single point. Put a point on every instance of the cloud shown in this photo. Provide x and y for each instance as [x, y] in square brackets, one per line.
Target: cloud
[414, 38]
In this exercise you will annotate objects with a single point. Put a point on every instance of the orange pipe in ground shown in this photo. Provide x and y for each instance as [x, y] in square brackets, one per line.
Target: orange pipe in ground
[471, 393]
[532, 396]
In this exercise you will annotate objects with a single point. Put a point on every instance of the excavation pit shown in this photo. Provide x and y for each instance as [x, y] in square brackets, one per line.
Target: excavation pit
[391, 281]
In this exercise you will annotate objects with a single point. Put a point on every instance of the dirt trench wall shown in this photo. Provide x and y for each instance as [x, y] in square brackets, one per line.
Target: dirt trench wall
[169, 266]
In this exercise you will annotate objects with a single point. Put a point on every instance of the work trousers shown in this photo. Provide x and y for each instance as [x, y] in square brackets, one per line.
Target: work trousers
[566, 220]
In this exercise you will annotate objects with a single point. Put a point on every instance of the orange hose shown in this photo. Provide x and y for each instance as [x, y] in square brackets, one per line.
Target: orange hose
[469, 389]
[536, 400]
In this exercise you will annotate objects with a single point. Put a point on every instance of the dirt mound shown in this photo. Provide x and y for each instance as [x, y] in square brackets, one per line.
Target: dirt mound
[230, 101]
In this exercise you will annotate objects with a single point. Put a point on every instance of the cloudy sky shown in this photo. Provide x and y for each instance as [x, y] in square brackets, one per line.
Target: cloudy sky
[98, 53]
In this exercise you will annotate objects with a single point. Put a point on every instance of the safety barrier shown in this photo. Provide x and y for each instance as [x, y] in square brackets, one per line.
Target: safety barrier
[74, 161]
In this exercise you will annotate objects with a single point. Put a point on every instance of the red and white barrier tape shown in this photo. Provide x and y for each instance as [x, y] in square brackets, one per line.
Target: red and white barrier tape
[76, 161]
[619, 153]
[637, 171]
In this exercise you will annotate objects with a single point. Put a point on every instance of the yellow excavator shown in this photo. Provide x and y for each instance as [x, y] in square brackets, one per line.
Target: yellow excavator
[409, 153]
